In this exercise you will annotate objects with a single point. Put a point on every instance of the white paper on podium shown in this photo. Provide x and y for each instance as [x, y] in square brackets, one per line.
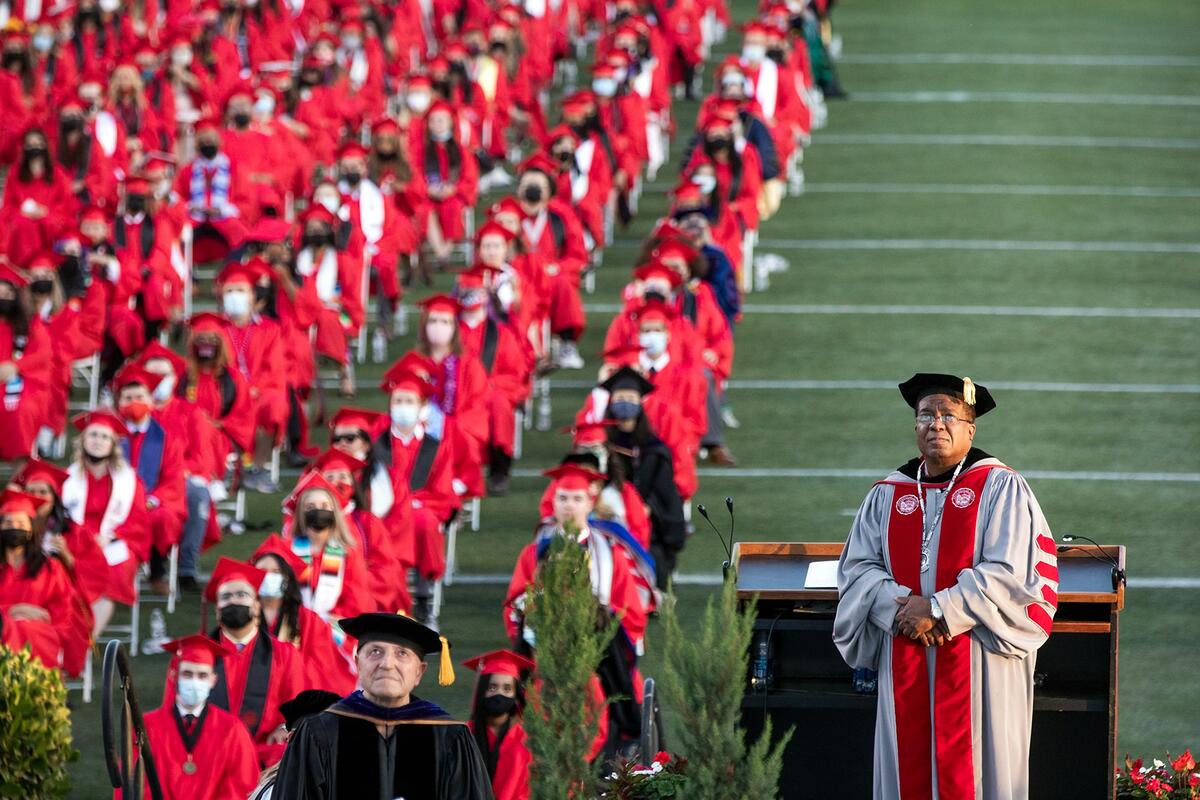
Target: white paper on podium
[821, 575]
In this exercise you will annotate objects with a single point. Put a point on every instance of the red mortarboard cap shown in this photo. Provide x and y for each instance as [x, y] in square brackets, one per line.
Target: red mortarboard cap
[351, 24]
[229, 570]
[418, 82]
[101, 416]
[456, 51]
[207, 322]
[657, 269]
[93, 213]
[318, 211]
[10, 275]
[276, 545]
[674, 247]
[655, 310]
[14, 501]
[493, 228]
[197, 649]
[238, 273]
[157, 161]
[334, 459]
[208, 124]
[156, 350]
[270, 229]
[47, 259]
[38, 471]
[506, 205]
[352, 150]
[413, 372]
[578, 101]
[438, 64]
[439, 302]
[500, 662]
[756, 26]
[687, 193]
[573, 477]
[605, 70]
[540, 162]
[561, 132]
[623, 355]
[137, 186]
[589, 432]
[385, 126]
[132, 374]
[373, 422]
[440, 107]
[308, 482]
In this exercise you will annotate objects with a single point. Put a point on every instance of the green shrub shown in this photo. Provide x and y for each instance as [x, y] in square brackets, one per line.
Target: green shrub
[35, 728]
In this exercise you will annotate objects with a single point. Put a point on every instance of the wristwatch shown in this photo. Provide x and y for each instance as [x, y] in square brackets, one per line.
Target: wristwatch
[935, 610]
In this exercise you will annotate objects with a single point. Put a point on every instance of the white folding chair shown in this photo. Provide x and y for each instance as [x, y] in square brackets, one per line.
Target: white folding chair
[172, 579]
[85, 681]
[85, 373]
[476, 510]
[467, 246]
[749, 238]
[365, 292]
[451, 555]
[518, 433]
[128, 634]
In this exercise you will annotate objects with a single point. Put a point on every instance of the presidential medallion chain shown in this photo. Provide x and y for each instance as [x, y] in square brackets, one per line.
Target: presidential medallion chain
[927, 531]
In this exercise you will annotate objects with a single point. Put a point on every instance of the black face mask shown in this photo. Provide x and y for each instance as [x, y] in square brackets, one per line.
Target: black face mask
[41, 286]
[234, 617]
[12, 538]
[70, 124]
[310, 78]
[7, 305]
[714, 146]
[317, 239]
[14, 60]
[659, 296]
[262, 293]
[385, 152]
[532, 193]
[91, 459]
[497, 705]
[775, 54]
[353, 177]
[241, 119]
[204, 351]
[208, 150]
[498, 48]
[580, 129]
[34, 152]
[318, 519]
[442, 87]
[565, 157]
[135, 203]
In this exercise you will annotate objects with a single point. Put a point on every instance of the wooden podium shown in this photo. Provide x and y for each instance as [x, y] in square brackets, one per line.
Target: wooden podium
[1073, 752]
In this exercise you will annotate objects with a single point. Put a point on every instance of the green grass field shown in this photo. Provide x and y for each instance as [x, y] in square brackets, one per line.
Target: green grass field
[1073, 430]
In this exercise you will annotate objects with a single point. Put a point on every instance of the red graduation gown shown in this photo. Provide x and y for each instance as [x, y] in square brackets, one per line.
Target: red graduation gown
[325, 665]
[62, 641]
[22, 400]
[135, 532]
[166, 503]
[258, 354]
[511, 781]
[432, 504]
[508, 377]
[226, 765]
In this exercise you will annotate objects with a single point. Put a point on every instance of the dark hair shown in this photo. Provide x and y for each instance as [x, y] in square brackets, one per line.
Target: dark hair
[479, 725]
[35, 557]
[18, 318]
[24, 173]
[289, 611]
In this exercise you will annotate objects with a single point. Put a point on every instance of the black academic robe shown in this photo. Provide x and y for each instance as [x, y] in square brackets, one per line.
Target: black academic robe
[339, 754]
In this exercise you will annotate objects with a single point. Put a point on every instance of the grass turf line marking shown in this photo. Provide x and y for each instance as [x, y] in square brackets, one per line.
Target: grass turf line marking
[1020, 386]
[1050, 98]
[982, 244]
[1003, 189]
[802, 472]
[715, 579]
[1021, 59]
[1006, 140]
[972, 311]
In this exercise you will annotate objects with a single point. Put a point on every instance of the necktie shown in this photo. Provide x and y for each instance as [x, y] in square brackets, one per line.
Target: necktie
[189, 722]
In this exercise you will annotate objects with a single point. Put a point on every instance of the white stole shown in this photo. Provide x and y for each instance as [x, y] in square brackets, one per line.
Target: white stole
[326, 272]
[382, 496]
[766, 88]
[106, 133]
[120, 502]
[583, 159]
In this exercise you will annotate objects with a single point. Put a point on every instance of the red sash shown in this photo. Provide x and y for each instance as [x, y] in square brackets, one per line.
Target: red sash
[948, 732]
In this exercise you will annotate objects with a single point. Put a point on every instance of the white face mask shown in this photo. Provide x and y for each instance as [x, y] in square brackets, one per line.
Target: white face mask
[264, 106]
[754, 53]
[441, 136]
[653, 342]
[193, 691]
[706, 183]
[109, 6]
[418, 103]
[604, 87]
[237, 304]
[272, 585]
[351, 42]
[181, 58]
[535, 8]
[42, 42]
[331, 203]
[439, 334]
[166, 387]
[405, 415]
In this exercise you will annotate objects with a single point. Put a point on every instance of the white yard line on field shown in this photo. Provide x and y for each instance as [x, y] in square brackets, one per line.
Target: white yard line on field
[1006, 140]
[1020, 386]
[802, 472]
[982, 244]
[714, 579]
[1003, 189]
[1052, 98]
[1022, 59]
[970, 311]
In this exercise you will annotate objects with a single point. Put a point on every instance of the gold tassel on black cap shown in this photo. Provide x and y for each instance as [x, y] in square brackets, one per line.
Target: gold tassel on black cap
[968, 391]
[446, 667]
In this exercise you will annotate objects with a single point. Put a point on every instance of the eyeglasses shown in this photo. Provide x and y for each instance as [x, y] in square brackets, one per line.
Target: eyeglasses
[240, 594]
[345, 438]
[947, 419]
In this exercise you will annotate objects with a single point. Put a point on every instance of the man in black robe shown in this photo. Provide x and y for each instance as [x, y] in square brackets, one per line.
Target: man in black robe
[382, 741]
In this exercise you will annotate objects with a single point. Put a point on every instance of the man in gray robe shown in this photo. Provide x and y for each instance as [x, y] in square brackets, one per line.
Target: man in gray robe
[948, 586]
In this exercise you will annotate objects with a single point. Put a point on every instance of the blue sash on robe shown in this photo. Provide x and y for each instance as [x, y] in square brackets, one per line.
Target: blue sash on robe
[150, 457]
[357, 703]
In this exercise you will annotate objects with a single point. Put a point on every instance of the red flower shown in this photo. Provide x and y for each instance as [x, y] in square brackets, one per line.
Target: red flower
[1194, 780]
[1154, 785]
[1137, 777]
[1184, 763]
[662, 757]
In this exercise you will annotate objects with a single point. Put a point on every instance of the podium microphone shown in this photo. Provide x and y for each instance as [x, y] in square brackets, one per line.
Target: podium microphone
[724, 545]
[1118, 574]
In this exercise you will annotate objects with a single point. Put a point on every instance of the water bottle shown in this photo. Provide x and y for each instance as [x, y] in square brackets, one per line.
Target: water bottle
[158, 633]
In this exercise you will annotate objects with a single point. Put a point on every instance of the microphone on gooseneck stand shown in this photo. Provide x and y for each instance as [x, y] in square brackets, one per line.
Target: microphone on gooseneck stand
[1118, 574]
[724, 545]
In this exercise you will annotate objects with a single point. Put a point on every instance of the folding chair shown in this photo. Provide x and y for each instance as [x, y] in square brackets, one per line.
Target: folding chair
[467, 246]
[749, 239]
[518, 433]
[85, 681]
[451, 554]
[172, 579]
[85, 373]
[129, 634]
[476, 507]
[365, 293]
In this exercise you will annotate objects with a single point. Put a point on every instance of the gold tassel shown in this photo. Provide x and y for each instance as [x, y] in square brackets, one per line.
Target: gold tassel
[968, 391]
[446, 667]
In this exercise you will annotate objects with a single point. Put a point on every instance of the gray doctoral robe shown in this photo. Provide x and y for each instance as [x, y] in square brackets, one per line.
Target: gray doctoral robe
[1004, 602]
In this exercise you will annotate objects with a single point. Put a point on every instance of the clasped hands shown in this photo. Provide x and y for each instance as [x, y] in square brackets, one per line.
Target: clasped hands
[914, 619]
